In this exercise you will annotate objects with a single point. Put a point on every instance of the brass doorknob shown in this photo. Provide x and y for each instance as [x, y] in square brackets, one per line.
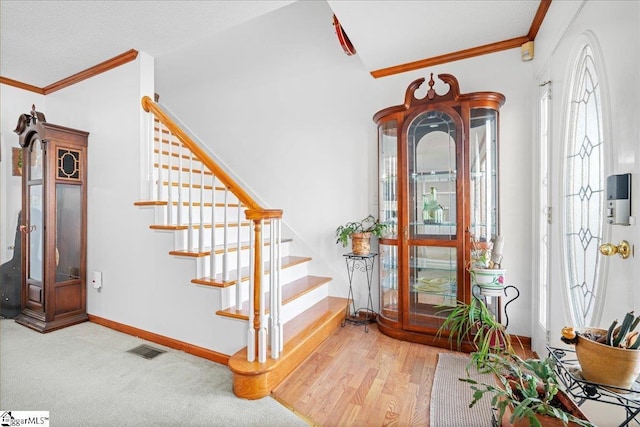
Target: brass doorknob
[623, 249]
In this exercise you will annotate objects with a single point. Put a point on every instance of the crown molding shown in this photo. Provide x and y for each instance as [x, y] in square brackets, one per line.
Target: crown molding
[517, 42]
[107, 65]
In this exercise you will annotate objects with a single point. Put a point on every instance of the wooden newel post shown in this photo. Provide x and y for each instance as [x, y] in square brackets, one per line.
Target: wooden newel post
[257, 216]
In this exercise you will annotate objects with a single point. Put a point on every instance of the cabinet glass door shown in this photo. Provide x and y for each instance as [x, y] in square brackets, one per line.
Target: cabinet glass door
[432, 216]
[34, 224]
[483, 182]
[388, 172]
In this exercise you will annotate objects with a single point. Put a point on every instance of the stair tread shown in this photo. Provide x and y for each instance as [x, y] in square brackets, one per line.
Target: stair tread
[288, 261]
[295, 334]
[194, 226]
[290, 291]
[219, 249]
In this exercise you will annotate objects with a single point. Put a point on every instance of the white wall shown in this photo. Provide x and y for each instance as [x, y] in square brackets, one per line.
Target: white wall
[290, 113]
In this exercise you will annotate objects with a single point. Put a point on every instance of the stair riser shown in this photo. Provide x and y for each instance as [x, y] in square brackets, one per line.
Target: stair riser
[206, 214]
[203, 267]
[228, 295]
[299, 305]
[196, 196]
[181, 240]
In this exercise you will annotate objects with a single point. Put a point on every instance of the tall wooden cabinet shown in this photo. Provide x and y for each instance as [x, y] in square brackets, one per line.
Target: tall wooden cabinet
[54, 223]
[438, 187]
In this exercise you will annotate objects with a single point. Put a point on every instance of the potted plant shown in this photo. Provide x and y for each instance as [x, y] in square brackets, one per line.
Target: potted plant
[475, 323]
[608, 356]
[489, 280]
[360, 233]
[527, 393]
[485, 268]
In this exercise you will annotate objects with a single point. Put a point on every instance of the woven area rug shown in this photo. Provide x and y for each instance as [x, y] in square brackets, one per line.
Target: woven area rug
[450, 397]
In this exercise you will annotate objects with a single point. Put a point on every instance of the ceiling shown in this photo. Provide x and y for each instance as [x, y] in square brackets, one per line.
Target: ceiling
[71, 36]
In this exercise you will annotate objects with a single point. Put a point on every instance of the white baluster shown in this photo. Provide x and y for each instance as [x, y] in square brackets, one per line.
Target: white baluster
[274, 294]
[212, 259]
[278, 284]
[201, 212]
[190, 243]
[170, 181]
[159, 155]
[251, 333]
[262, 333]
[239, 261]
[225, 238]
[150, 148]
[180, 182]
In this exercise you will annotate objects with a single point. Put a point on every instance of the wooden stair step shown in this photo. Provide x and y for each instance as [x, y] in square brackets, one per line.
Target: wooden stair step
[219, 282]
[290, 291]
[302, 335]
[183, 169]
[219, 249]
[186, 185]
[178, 227]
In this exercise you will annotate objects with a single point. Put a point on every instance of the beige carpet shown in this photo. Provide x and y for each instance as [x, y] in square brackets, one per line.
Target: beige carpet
[84, 376]
[450, 398]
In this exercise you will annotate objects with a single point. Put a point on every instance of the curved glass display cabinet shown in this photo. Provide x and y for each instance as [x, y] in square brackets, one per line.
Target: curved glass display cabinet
[438, 168]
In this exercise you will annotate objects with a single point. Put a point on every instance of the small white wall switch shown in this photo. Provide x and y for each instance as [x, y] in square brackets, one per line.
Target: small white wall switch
[97, 279]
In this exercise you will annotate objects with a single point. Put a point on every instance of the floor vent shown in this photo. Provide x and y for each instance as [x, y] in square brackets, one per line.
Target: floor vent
[146, 351]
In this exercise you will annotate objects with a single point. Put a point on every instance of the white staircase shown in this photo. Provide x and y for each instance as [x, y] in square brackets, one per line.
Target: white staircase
[237, 247]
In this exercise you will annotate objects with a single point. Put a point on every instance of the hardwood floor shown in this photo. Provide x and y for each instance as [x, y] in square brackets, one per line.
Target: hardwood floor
[363, 379]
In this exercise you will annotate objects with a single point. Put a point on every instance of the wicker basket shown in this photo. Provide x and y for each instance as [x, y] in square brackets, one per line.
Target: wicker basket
[361, 243]
[607, 365]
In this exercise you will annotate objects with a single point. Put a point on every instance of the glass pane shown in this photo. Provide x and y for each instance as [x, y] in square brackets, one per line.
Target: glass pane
[432, 176]
[36, 160]
[583, 192]
[389, 282]
[433, 272]
[35, 232]
[543, 202]
[483, 158]
[68, 236]
[388, 137]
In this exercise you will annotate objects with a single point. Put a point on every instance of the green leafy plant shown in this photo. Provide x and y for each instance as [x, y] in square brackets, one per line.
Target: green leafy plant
[367, 225]
[474, 322]
[529, 387]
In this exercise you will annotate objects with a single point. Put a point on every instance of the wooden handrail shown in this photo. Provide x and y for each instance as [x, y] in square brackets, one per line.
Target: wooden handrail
[151, 107]
[258, 215]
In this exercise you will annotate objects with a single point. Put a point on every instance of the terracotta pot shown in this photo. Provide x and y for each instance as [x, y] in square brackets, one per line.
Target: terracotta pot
[607, 365]
[361, 243]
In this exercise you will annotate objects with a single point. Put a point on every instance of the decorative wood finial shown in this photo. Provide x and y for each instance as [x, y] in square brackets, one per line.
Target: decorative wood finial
[431, 93]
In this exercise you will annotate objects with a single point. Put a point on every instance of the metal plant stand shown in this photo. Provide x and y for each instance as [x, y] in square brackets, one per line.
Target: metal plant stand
[581, 390]
[364, 263]
[496, 301]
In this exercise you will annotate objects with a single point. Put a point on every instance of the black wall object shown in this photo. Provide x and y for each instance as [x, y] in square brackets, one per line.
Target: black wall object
[10, 273]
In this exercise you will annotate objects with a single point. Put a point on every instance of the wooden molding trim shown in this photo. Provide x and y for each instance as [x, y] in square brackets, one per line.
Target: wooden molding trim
[107, 65]
[537, 20]
[20, 85]
[205, 353]
[450, 57]
[474, 51]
